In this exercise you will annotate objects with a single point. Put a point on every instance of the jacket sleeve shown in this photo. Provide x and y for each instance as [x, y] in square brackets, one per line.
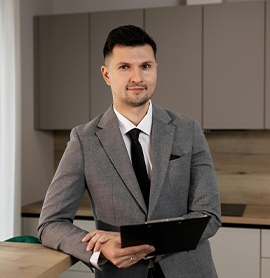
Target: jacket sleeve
[63, 198]
[204, 197]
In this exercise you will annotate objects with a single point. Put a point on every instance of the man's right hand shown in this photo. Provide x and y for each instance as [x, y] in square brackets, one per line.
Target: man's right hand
[97, 237]
[124, 257]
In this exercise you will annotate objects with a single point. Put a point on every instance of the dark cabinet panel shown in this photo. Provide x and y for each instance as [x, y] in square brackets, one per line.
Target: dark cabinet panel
[267, 73]
[178, 34]
[233, 67]
[210, 64]
[61, 71]
[101, 24]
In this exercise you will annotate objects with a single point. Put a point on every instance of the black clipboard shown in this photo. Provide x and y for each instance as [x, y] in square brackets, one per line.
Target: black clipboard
[167, 235]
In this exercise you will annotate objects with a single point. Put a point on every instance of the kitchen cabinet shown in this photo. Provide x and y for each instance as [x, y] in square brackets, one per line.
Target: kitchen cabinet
[265, 253]
[236, 252]
[178, 34]
[211, 64]
[69, 87]
[61, 71]
[101, 23]
[265, 244]
[29, 226]
[233, 66]
[265, 271]
[267, 68]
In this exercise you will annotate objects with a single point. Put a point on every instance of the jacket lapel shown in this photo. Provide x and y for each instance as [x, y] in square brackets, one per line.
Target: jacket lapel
[162, 138]
[112, 141]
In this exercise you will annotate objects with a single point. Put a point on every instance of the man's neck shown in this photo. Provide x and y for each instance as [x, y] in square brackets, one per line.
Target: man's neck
[133, 114]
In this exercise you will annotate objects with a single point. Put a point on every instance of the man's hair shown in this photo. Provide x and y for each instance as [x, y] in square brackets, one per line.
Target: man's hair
[127, 35]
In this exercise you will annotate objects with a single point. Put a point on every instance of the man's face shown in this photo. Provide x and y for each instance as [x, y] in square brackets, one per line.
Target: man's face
[131, 72]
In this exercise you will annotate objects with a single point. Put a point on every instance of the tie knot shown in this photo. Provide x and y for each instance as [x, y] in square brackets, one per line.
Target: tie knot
[133, 134]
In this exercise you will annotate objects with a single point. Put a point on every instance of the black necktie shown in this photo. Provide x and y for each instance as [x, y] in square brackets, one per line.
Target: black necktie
[139, 164]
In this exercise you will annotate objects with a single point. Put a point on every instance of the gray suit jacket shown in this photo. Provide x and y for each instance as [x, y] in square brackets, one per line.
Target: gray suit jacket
[96, 160]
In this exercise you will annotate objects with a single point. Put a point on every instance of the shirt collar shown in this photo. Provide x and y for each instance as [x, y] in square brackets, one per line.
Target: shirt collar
[145, 124]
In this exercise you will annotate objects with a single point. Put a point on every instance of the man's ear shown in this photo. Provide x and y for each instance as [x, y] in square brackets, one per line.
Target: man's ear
[105, 74]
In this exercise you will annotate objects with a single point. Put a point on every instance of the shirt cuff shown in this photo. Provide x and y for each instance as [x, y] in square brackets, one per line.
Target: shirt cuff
[96, 261]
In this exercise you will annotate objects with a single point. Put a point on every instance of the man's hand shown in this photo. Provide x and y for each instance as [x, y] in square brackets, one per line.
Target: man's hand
[97, 238]
[124, 257]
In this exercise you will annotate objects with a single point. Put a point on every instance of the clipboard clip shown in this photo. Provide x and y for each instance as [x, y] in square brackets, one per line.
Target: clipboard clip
[165, 220]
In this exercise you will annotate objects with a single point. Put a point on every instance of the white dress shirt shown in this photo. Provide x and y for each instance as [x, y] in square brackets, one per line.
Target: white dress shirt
[125, 126]
[145, 126]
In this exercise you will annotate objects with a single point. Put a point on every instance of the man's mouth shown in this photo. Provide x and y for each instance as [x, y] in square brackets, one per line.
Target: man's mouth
[137, 88]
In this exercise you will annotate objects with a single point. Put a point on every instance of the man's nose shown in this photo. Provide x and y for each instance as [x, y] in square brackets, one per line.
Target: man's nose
[136, 76]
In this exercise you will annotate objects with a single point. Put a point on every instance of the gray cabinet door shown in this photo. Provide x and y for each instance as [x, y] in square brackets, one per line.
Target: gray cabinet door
[267, 73]
[236, 252]
[178, 34]
[61, 71]
[233, 66]
[101, 23]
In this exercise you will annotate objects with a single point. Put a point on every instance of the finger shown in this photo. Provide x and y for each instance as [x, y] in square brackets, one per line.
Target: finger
[89, 236]
[100, 241]
[99, 238]
[140, 249]
[103, 239]
[93, 233]
[139, 255]
[93, 241]
[133, 259]
[128, 251]
[129, 260]
[126, 258]
[121, 257]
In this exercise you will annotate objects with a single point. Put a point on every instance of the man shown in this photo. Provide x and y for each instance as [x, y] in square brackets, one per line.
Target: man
[180, 178]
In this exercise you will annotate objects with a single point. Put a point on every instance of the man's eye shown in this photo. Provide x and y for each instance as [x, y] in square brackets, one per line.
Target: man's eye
[124, 67]
[146, 66]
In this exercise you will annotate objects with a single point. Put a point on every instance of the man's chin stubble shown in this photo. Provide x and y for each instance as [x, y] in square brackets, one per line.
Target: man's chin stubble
[138, 102]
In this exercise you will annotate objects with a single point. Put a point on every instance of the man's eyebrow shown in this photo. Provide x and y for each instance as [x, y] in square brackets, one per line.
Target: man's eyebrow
[126, 63]
[148, 62]
[122, 63]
